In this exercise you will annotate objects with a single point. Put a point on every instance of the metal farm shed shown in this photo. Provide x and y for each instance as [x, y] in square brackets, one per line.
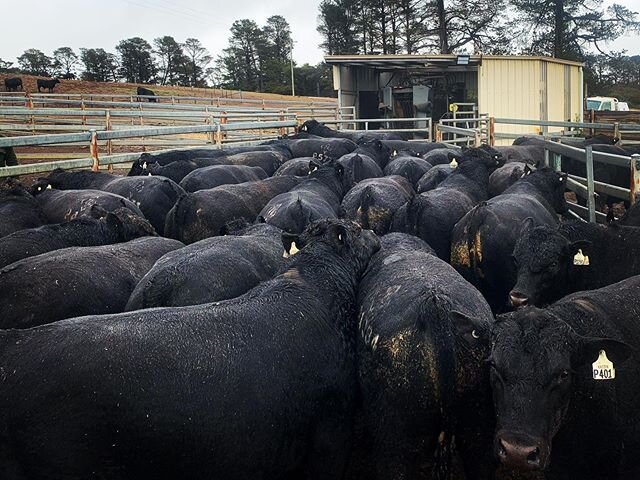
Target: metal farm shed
[425, 86]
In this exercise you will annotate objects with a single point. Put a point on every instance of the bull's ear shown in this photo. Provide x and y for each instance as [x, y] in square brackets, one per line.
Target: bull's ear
[589, 350]
[527, 171]
[290, 241]
[313, 166]
[470, 329]
[340, 233]
[573, 247]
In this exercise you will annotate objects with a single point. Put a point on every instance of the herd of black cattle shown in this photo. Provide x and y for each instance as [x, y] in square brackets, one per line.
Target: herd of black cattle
[323, 306]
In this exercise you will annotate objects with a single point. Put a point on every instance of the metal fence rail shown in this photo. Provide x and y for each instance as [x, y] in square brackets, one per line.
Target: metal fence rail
[215, 132]
[173, 99]
[587, 187]
[387, 128]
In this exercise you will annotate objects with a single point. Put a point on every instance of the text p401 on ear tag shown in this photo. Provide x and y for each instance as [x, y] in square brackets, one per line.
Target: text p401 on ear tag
[603, 368]
[581, 259]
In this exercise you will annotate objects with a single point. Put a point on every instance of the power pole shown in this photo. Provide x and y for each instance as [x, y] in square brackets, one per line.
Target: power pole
[293, 81]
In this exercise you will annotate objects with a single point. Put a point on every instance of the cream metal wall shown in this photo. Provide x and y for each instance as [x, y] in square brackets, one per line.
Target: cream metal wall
[529, 88]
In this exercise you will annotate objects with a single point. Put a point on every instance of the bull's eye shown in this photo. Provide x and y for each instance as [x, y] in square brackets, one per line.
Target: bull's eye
[554, 265]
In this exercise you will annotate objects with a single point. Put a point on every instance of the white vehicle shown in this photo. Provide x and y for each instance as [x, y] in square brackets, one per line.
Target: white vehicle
[606, 103]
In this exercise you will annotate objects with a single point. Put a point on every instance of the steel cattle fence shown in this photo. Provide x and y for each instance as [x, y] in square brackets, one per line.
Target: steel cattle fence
[587, 187]
[214, 131]
[386, 126]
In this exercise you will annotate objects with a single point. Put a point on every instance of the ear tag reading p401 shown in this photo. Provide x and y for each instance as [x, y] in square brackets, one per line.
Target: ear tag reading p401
[603, 368]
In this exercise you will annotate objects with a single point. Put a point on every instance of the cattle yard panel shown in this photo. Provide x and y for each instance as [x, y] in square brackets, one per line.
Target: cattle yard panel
[387, 128]
[588, 187]
[92, 137]
[623, 131]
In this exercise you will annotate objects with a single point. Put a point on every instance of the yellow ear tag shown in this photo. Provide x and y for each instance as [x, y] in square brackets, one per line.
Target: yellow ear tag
[581, 259]
[294, 249]
[603, 368]
[49, 187]
[453, 163]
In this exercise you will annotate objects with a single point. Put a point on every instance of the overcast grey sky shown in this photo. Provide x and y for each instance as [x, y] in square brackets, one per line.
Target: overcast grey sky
[47, 25]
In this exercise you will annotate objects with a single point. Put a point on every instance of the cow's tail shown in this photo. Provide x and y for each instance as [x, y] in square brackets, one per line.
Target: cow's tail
[434, 317]
[176, 218]
[466, 249]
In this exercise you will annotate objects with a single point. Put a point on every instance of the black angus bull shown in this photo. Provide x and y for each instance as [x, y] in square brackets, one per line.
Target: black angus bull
[506, 176]
[555, 261]
[197, 158]
[317, 197]
[12, 84]
[47, 84]
[153, 196]
[565, 385]
[433, 215]
[106, 228]
[435, 176]
[314, 127]
[298, 167]
[411, 168]
[332, 148]
[419, 148]
[204, 213]
[18, 208]
[372, 203]
[63, 205]
[482, 241]
[216, 175]
[213, 269]
[422, 384]
[76, 281]
[149, 94]
[261, 386]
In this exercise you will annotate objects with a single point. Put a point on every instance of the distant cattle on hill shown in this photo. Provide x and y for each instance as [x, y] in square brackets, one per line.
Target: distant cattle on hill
[12, 84]
[146, 93]
[48, 84]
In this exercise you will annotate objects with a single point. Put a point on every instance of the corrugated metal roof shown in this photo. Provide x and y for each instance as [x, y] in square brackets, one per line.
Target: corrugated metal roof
[426, 61]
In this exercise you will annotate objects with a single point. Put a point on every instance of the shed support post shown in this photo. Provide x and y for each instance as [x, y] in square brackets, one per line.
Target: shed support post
[109, 142]
[557, 162]
[93, 148]
[616, 130]
[492, 131]
[635, 179]
[546, 157]
[591, 201]
[438, 133]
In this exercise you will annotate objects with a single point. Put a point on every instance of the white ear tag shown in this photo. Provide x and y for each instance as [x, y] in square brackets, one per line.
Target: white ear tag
[581, 259]
[294, 249]
[49, 187]
[603, 368]
[453, 163]
[339, 237]
[395, 152]
[144, 165]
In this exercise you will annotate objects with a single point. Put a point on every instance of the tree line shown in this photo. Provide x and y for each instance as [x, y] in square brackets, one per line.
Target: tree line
[167, 62]
[558, 28]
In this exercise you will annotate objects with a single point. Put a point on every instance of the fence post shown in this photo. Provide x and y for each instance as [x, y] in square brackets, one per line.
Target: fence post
[557, 162]
[84, 117]
[546, 157]
[492, 131]
[591, 202]
[616, 130]
[477, 141]
[635, 178]
[283, 130]
[109, 142]
[93, 148]
[218, 136]
[438, 133]
[210, 121]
